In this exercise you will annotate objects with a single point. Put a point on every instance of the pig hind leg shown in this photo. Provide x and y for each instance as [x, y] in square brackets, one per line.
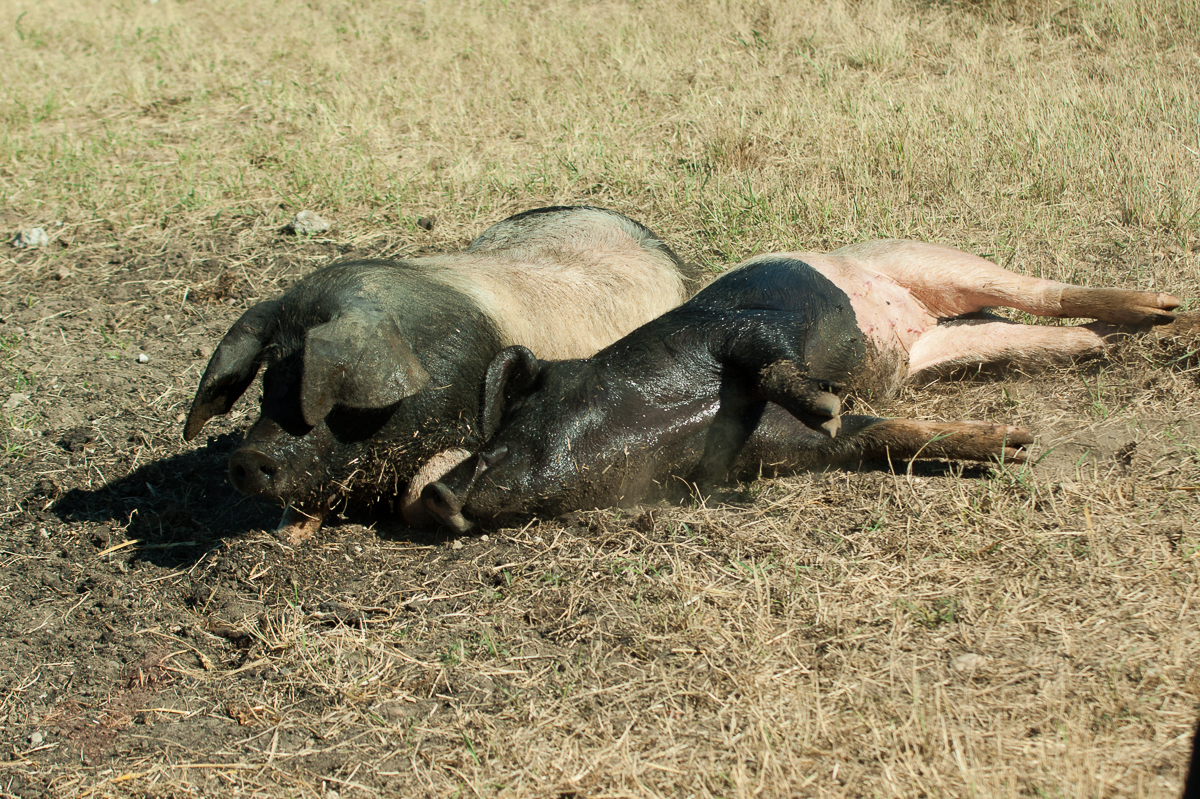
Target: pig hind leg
[950, 283]
[969, 342]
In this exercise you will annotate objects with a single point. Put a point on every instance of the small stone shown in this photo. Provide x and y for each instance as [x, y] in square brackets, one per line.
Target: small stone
[969, 662]
[426, 222]
[143, 358]
[456, 544]
[483, 537]
[36, 739]
[30, 237]
[14, 400]
[307, 223]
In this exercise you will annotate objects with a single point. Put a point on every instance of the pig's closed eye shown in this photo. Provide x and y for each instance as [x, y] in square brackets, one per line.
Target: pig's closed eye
[494, 455]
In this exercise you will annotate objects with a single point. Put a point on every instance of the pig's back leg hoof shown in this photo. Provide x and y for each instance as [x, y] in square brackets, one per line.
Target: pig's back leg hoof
[968, 441]
[1118, 306]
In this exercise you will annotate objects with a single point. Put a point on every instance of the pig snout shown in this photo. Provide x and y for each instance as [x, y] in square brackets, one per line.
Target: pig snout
[446, 506]
[255, 472]
[445, 498]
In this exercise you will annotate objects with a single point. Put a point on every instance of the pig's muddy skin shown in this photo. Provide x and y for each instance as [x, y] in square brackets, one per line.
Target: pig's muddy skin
[748, 378]
[374, 367]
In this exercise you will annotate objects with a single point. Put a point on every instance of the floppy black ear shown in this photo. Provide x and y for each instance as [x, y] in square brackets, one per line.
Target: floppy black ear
[232, 367]
[511, 373]
[358, 360]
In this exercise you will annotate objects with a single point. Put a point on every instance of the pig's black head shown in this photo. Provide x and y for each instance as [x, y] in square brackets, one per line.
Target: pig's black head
[332, 380]
[546, 426]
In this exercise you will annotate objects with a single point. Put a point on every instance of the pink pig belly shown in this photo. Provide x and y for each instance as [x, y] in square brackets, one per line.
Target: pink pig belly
[889, 316]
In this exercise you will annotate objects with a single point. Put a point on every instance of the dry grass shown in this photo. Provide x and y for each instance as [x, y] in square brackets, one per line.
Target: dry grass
[734, 127]
[1019, 632]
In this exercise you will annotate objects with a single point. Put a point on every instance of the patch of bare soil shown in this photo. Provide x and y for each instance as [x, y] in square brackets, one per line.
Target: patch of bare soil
[915, 630]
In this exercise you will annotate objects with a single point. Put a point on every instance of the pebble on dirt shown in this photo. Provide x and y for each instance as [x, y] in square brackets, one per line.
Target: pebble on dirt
[307, 223]
[969, 662]
[143, 358]
[15, 400]
[30, 237]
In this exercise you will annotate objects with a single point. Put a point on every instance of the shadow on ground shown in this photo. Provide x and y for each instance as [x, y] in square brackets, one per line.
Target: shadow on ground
[178, 507]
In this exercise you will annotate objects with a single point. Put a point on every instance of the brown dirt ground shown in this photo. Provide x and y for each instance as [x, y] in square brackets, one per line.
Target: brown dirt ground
[885, 631]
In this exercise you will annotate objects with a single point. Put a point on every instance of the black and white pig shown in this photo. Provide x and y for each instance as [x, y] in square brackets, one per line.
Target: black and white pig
[372, 367]
[748, 378]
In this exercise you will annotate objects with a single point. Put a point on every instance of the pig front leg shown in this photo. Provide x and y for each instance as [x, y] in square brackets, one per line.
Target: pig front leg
[806, 398]
[964, 441]
[800, 367]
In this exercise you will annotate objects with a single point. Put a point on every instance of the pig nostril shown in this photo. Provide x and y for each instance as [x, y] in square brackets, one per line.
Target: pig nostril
[253, 472]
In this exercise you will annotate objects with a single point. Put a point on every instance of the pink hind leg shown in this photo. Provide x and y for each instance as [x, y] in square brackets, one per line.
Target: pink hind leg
[967, 342]
[950, 283]
[970, 342]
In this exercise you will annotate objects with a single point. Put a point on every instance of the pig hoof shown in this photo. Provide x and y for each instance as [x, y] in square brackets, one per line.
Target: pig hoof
[1011, 448]
[296, 526]
[1119, 306]
[1010, 455]
[832, 426]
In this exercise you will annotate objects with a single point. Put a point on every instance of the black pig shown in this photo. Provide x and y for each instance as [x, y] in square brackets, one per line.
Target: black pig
[374, 366]
[747, 378]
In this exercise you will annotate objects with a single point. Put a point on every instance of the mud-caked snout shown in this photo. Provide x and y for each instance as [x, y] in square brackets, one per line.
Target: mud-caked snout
[256, 472]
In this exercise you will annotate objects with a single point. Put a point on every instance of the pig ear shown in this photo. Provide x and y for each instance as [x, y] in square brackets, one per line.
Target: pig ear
[358, 360]
[232, 367]
[511, 372]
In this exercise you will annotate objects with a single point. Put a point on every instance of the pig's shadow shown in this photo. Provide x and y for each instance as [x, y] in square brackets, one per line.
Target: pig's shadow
[179, 507]
[182, 507]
